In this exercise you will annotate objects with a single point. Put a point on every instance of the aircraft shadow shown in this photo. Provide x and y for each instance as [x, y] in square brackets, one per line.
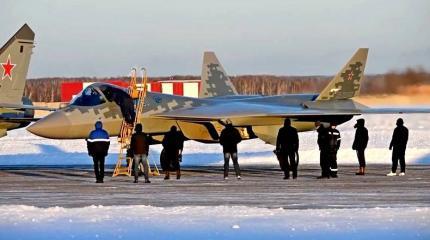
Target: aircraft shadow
[53, 155]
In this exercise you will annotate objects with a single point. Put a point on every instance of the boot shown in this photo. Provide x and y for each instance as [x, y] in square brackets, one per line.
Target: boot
[178, 174]
[135, 179]
[360, 171]
[167, 177]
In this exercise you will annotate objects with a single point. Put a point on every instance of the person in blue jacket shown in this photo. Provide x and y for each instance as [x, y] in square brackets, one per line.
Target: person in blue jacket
[98, 145]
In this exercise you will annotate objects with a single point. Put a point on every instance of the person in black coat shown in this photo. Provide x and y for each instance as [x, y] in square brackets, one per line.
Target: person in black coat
[287, 146]
[124, 101]
[333, 145]
[98, 146]
[398, 145]
[322, 145]
[360, 143]
[173, 143]
[229, 139]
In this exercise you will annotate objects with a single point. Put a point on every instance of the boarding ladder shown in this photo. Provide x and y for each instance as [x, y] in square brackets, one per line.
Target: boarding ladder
[126, 131]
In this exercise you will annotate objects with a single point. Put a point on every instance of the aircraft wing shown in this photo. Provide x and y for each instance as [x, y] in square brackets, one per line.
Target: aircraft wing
[242, 110]
[249, 110]
[19, 120]
[20, 106]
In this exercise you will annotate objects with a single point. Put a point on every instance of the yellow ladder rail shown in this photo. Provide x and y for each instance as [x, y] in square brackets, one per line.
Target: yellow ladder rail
[127, 129]
[125, 136]
[140, 106]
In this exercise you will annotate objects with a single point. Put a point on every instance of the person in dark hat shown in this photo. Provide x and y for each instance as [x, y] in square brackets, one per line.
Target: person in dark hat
[360, 143]
[398, 145]
[323, 147]
[229, 139]
[287, 146]
[139, 146]
[173, 143]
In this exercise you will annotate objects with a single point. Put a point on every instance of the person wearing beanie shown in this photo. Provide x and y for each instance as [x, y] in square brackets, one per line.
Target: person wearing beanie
[139, 146]
[398, 145]
[360, 143]
[229, 139]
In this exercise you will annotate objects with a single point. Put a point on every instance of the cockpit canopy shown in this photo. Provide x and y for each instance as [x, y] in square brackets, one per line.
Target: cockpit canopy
[97, 94]
[88, 97]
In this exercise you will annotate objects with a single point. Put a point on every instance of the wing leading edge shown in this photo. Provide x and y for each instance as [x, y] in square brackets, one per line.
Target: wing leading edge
[20, 106]
[251, 110]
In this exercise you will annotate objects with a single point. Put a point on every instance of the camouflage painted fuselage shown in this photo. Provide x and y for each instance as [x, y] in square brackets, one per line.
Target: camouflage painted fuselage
[76, 122]
[203, 118]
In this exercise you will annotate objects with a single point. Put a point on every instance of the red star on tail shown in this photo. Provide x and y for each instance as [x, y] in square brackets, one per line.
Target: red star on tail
[7, 66]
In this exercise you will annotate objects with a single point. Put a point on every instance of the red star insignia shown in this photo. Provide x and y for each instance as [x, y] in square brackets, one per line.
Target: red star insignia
[7, 67]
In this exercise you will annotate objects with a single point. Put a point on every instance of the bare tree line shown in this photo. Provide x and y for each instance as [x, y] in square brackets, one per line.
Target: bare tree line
[49, 89]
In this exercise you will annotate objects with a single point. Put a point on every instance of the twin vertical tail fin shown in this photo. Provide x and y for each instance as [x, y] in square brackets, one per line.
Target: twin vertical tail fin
[215, 81]
[14, 61]
[347, 83]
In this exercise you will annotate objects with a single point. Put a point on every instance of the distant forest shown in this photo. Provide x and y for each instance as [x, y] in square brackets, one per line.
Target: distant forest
[48, 89]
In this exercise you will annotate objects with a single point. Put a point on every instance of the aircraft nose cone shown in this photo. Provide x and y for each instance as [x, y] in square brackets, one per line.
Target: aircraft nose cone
[56, 125]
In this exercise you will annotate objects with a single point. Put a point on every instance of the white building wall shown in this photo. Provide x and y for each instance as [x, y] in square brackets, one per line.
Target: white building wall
[139, 86]
[191, 89]
[167, 88]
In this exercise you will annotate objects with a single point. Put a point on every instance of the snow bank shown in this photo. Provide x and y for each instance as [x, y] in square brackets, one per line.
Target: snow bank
[23, 148]
[221, 222]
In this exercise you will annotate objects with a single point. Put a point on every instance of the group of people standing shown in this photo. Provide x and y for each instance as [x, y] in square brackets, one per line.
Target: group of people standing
[287, 146]
[329, 141]
[173, 143]
[170, 157]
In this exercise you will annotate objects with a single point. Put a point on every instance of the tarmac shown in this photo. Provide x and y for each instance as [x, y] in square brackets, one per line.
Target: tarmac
[261, 186]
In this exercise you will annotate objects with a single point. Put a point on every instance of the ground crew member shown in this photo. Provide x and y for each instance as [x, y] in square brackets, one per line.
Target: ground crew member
[126, 104]
[287, 146]
[139, 146]
[173, 143]
[360, 143]
[398, 145]
[98, 146]
[229, 139]
[322, 144]
[333, 144]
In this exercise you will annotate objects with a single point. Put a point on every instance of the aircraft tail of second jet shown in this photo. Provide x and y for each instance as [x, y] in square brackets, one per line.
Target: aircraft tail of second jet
[14, 61]
[215, 81]
[346, 84]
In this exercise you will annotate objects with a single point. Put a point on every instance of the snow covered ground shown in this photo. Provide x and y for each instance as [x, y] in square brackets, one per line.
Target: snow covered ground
[146, 222]
[23, 148]
[219, 222]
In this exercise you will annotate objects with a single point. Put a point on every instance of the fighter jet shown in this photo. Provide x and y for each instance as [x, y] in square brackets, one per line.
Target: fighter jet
[16, 111]
[203, 118]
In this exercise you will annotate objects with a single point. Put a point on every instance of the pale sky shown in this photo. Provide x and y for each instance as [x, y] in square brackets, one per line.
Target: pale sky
[282, 37]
